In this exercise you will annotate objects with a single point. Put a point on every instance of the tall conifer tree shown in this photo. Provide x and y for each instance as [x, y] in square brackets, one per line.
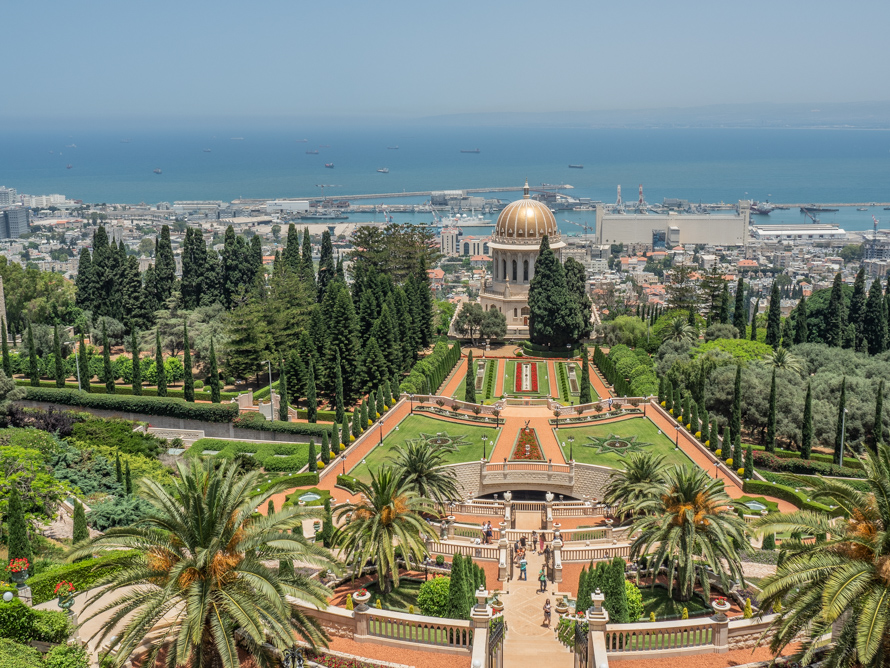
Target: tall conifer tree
[873, 324]
[836, 324]
[165, 266]
[33, 366]
[7, 362]
[213, 376]
[806, 432]
[136, 365]
[878, 428]
[801, 329]
[80, 531]
[18, 544]
[339, 403]
[586, 396]
[735, 420]
[188, 383]
[856, 314]
[771, 418]
[739, 314]
[282, 394]
[754, 320]
[774, 318]
[311, 398]
[160, 372]
[59, 361]
[83, 364]
[107, 371]
[840, 425]
[470, 380]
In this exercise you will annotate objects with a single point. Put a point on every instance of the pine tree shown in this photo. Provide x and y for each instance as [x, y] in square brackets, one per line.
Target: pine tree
[326, 268]
[160, 372]
[128, 480]
[325, 449]
[213, 376]
[774, 318]
[339, 402]
[874, 325]
[307, 267]
[749, 463]
[878, 428]
[754, 320]
[806, 440]
[735, 421]
[839, 429]
[7, 362]
[106, 362]
[33, 366]
[801, 333]
[18, 544]
[311, 398]
[291, 254]
[313, 463]
[771, 419]
[836, 324]
[81, 532]
[282, 394]
[739, 315]
[83, 363]
[59, 361]
[470, 380]
[374, 369]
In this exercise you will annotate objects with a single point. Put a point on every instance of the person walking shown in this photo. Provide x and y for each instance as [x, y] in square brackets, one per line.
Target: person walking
[534, 540]
[547, 613]
[542, 541]
[522, 541]
[542, 578]
[523, 565]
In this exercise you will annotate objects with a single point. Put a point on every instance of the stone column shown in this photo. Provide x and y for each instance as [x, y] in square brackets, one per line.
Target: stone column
[557, 557]
[503, 548]
[597, 618]
[451, 520]
[549, 508]
[508, 508]
[609, 529]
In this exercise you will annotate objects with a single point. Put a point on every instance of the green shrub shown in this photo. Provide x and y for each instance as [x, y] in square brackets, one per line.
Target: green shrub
[788, 494]
[51, 626]
[432, 598]
[272, 456]
[258, 422]
[145, 405]
[296, 480]
[126, 390]
[67, 656]
[121, 434]
[634, 601]
[24, 624]
[16, 655]
[83, 575]
[346, 481]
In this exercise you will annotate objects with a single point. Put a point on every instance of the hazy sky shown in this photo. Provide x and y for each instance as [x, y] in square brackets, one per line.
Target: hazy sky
[187, 58]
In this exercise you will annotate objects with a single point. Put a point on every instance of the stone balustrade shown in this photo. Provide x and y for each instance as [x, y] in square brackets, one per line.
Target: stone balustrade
[451, 634]
[586, 554]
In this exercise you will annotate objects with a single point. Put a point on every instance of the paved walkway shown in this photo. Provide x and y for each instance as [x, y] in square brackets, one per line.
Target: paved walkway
[530, 642]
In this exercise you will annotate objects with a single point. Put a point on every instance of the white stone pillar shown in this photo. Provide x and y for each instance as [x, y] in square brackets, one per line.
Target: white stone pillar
[597, 618]
[503, 548]
[557, 558]
[508, 508]
[548, 498]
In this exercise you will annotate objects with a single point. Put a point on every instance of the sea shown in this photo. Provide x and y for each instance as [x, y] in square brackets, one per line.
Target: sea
[257, 161]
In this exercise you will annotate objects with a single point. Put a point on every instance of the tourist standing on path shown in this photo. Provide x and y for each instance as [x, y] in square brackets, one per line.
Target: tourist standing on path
[542, 541]
[542, 578]
[547, 613]
[534, 540]
[523, 564]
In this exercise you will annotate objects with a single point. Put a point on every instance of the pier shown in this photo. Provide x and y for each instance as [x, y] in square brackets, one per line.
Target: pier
[417, 193]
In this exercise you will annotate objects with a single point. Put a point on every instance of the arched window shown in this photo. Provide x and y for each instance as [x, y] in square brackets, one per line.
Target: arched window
[525, 310]
[514, 271]
[515, 313]
[525, 270]
[503, 270]
[466, 248]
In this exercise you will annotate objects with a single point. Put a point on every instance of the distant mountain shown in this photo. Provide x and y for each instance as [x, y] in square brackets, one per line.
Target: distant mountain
[854, 115]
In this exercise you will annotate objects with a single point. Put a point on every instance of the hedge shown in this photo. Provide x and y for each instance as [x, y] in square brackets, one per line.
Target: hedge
[296, 480]
[346, 481]
[82, 574]
[24, 624]
[538, 350]
[257, 421]
[272, 456]
[849, 462]
[770, 462]
[428, 373]
[127, 390]
[161, 406]
[798, 499]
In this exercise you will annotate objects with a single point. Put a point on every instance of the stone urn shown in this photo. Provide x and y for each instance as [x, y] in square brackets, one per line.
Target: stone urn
[19, 577]
[361, 598]
[562, 605]
[496, 604]
[721, 607]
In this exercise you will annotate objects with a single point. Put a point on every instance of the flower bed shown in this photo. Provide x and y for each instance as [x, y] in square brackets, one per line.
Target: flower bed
[527, 447]
[533, 380]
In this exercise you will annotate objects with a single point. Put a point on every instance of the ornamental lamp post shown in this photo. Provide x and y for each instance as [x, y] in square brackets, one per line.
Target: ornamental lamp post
[381, 431]
[411, 399]
[572, 448]
[484, 441]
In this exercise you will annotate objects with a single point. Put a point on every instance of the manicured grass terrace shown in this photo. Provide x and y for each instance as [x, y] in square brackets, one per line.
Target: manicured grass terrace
[543, 380]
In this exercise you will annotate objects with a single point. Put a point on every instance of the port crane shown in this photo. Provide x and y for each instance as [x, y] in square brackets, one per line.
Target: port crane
[584, 225]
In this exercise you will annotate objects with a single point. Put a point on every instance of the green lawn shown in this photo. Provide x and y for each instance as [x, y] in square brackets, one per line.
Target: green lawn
[468, 439]
[656, 600]
[572, 397]
[459, 393]
[639, 430]
[543, 381]
[771, 506]
[398, 599]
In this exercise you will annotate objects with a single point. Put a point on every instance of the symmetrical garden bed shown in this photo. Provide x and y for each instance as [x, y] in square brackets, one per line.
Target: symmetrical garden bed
[527, 447]
[610, 444]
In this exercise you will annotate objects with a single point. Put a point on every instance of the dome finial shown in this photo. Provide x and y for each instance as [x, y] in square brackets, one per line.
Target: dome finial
[525, 190]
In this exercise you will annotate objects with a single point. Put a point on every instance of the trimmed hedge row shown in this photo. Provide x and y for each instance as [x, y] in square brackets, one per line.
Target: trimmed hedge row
[162, 406]
[765, 460]
[272, 456]
[346, 481]
[788, 494]
[849, 462]
[296, 480]
[23, 624]
[127, 390]
[258, 422]
[428, 373]
[538, 350]
[82, 574]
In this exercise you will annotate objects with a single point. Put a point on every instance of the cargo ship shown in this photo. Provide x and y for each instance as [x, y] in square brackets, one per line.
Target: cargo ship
[329, 165]
[470, 150]
[576, 166]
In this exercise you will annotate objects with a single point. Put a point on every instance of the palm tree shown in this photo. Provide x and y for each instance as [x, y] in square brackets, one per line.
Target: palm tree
[680, 330]
[420, 466]
[641, 479]
[692, 521]
[781, 358]
[844, 578]
[385, 516]
[198, 560]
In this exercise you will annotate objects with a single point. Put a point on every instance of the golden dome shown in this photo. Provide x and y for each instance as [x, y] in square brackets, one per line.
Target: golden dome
[526, 220]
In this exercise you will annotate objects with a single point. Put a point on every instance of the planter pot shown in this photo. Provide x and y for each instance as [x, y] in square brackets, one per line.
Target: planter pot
[497, 607]
[19, 578]
[562, 609]
[361, 599]
[720, 609]
[65, 602]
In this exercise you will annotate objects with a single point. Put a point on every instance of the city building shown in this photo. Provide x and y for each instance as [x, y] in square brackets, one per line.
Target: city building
[812, 233]
[449, 241]
[669, 230]
[7, 196]
[15, 222]
[514, 248]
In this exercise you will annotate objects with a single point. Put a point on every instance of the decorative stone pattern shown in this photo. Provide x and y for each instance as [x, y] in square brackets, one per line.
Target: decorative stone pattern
[590, 481]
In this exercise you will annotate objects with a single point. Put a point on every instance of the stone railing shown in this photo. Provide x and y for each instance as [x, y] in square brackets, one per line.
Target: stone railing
[450, 634]
[669, 638]
[476, 551]
[450, 402]
[586, 554]
[527, 466]
[484, 508]
[170, 434]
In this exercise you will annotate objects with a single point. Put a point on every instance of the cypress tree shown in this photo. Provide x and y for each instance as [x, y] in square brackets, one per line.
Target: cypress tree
[470, 380]
[739, 316]
[774, 318]
[307, 267]
[737, 453]
[878, 429]
[583, 595]
[554, 318]
[325, 449]
[754, 320]
[801, 333]
[735, 421]
[335, 438]
[661, 389]
[160, 371]
[806, 440]
[694, 419]
[839, 429]
[669, 397]
[357, 426]
[365, 422]
[7, 362]
[769, 542]
[119, 471]
[270, 508]
[616, 591]
[586, 396]
[726, 444]
[291, 253]
[106, 362]
[135, 365]
[749, 463]
[687, 410]
[344, 431]
[213, 377]
[394, 388]
[856, 314]
[84, 365]
[188, 383]
[81, 532]
[372, 406]
[313, 464]
[339, 403]
[286, 566]
[835, 334]
[128, 480]
[282, 394]
[311, 399]
[59, 362]
[874, 325]
[706, 428]
[33, 366]
[327, 524]
[381, 408]
[165, 266]
[17, 539]
[771, 419]
[787, 333]
[457, 590]
[723, 313]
